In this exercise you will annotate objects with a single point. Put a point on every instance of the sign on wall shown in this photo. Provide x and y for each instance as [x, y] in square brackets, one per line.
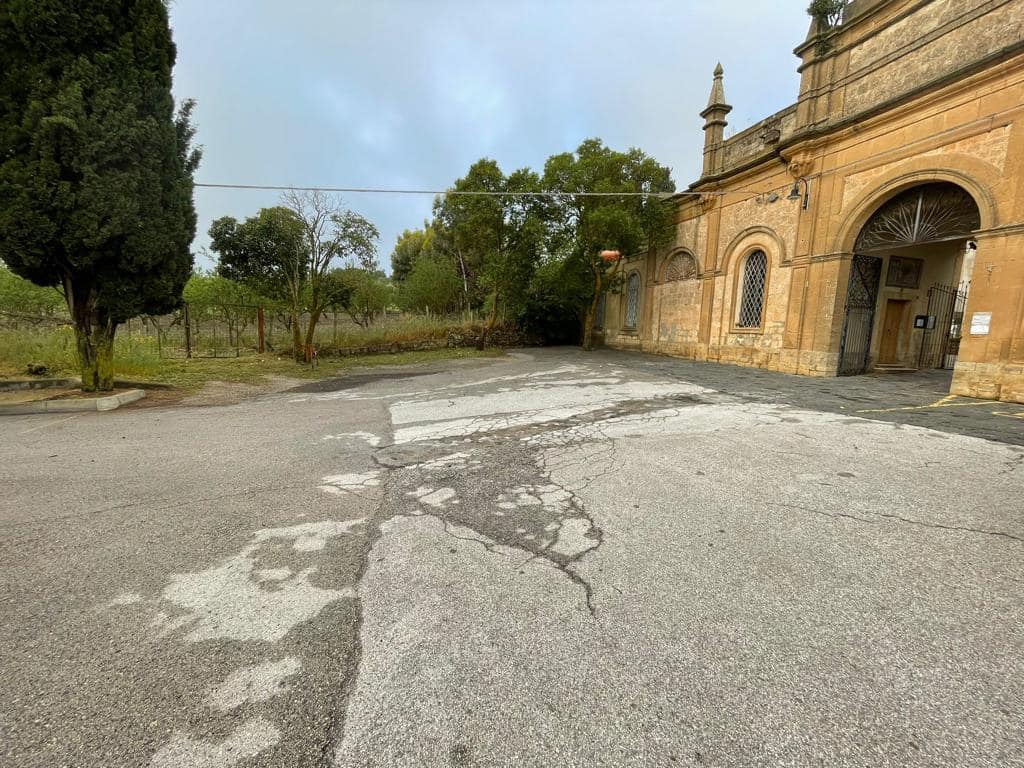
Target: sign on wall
[980, 322]
[904, 272]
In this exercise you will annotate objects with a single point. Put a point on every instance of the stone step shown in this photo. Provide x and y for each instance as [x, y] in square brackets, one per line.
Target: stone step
[891, 368]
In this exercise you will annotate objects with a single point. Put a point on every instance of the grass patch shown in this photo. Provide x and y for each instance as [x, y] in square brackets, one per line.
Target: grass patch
[253, 369]
[137, 359]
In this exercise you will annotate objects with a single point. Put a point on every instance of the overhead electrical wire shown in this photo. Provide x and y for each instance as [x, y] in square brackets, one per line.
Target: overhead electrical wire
[464, 193]
[491, 194]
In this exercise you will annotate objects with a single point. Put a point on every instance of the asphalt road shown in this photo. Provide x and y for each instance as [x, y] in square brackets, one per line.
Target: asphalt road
[553, 559]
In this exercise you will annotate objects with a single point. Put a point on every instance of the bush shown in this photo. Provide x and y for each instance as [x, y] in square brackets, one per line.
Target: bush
[555, 304]
[433, 285]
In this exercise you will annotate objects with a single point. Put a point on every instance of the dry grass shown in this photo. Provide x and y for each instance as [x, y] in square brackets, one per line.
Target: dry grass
[137, 358]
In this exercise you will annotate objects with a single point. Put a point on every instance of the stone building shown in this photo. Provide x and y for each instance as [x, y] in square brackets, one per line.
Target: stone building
[875, 224]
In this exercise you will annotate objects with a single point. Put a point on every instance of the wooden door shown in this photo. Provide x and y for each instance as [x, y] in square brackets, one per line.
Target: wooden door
[892, 324]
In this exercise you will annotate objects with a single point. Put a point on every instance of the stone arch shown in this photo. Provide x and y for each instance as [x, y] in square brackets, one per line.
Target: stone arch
[681, 264]
[750, 239]
[974, 176]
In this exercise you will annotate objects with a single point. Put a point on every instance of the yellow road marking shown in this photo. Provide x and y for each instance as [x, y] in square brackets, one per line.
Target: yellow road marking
[943, 402]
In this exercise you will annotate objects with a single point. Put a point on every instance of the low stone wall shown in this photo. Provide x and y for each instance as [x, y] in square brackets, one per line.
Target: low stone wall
[14, 385]
[989, 381]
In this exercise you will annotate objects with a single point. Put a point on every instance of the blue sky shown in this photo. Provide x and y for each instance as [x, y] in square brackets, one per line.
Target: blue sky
[409, 93]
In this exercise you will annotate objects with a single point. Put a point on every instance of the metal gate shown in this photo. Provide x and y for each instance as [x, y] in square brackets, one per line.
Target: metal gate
[940, 344]
[861, 298]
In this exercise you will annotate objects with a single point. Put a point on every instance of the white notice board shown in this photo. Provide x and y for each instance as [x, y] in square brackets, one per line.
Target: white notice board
[980, 322]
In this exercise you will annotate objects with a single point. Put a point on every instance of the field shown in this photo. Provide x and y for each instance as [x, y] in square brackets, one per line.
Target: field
[143, 353]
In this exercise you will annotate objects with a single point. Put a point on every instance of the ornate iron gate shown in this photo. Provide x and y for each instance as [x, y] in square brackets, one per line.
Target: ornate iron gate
[940, 344]
[861, 298]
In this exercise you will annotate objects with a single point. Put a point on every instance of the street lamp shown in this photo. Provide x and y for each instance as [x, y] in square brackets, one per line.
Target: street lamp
[794, 193]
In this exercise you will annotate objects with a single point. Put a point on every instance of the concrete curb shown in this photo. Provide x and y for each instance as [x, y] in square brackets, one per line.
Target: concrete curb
[108, 403]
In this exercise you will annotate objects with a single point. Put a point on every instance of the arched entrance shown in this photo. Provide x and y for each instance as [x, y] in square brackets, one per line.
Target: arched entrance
[909, 280]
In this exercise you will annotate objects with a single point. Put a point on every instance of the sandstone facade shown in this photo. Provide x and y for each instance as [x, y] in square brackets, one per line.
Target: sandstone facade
[904, 106]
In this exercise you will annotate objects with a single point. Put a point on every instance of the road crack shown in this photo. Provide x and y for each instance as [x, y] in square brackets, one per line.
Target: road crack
[900, 519]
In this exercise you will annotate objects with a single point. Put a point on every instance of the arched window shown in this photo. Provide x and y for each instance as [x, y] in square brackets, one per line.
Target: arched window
[632, 299]
[681, 266]
[929, 213]
[755, 270]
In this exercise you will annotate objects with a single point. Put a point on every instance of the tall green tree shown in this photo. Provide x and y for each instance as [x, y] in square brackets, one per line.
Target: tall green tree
[361, 294]
[410, 246]
[267, 252]
[95, 165]
[497, 237]
[581, 227]
[433, 285]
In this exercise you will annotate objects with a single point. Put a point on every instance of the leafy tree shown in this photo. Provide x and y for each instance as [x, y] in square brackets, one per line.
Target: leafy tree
[555, 302]
[361, 294]
[233, 303]
[268, 253]
[330, 232]
[411, 245]
[95, 167]
[580, 228]
[498, 236]
[467, 227]
[433, 285]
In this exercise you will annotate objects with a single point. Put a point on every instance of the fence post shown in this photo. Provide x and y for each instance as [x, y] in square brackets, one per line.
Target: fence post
[261, 331]
[188, 334]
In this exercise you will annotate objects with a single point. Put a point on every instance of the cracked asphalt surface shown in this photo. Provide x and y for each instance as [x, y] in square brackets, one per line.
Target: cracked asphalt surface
[551, 559]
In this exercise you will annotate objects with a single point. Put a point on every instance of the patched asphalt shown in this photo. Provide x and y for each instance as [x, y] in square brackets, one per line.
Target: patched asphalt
[551, 559]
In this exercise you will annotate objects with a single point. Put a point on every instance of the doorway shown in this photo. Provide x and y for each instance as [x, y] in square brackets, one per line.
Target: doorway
[861, 298]
[892, 324]
[922, 233]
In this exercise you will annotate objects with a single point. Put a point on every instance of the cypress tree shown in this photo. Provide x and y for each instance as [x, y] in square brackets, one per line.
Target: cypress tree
[95, 164]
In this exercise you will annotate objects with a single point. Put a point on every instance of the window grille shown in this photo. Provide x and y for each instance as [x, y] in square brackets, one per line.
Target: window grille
[926, 214]
[599, 314]
[755, 269]
[632, 300]
[680, 267]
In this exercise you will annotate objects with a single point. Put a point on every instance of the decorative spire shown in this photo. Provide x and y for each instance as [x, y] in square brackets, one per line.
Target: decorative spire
[717, 102]
[714, 125]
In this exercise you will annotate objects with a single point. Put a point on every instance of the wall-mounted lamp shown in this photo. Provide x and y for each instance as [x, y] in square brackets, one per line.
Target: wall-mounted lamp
[794, 193]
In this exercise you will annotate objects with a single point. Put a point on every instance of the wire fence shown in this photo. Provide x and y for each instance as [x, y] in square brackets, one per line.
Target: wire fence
[198, 330]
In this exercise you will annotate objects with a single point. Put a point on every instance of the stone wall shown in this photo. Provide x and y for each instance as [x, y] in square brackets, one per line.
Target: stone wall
[937, 40]
[677, 312]
[759, 139]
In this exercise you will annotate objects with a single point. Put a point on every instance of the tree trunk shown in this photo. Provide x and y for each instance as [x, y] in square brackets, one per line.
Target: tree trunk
[94, 339]
[314, 317]
[591, 313]
[481, 342]
[588, 327]
[297, 351]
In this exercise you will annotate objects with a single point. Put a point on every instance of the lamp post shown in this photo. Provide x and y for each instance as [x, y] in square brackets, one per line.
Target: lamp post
[794, 193]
